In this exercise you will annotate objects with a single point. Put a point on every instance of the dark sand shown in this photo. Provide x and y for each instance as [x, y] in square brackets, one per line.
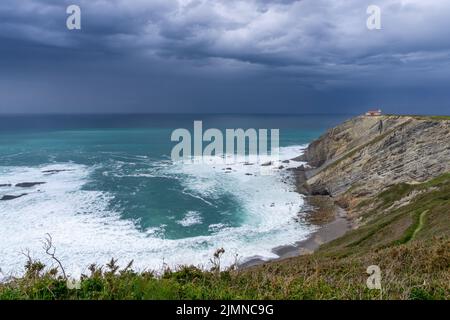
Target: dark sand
[321, 211]
[326, 233]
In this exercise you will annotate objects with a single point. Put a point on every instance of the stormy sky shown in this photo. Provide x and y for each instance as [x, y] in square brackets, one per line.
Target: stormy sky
[268, 56]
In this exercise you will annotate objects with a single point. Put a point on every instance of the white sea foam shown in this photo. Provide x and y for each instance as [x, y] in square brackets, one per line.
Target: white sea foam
[86, 231]
[191, 218]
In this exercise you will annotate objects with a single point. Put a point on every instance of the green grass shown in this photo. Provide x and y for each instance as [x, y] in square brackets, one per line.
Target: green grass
[421, 117]
[420, 225]
[440, 117]
[416, 270]
[384, 224]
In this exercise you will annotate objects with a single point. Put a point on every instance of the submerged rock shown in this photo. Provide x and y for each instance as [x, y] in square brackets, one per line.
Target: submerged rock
[12, 197]
[55, 171]
[28, 184]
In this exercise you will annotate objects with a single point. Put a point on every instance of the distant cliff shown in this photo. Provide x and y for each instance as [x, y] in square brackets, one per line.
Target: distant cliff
[363, 156]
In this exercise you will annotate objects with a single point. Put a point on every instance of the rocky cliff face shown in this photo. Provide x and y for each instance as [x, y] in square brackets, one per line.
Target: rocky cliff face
[365, 155]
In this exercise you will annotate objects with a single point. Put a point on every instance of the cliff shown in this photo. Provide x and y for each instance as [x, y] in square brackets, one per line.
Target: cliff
[390, 173]
[367, 154]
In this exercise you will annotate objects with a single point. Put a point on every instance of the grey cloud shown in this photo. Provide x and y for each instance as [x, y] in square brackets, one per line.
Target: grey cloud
[258, 31]
[315, 44]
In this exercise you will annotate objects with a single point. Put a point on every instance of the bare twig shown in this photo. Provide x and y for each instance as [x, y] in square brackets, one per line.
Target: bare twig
[50, 250]
[27, 254]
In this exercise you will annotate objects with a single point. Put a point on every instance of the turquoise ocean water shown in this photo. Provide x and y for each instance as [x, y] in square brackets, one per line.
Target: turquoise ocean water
[111, 190]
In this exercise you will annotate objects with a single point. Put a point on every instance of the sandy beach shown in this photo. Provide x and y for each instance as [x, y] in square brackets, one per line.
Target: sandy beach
[326, 233]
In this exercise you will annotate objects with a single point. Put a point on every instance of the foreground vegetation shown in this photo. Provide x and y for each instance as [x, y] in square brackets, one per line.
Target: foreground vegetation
[404, 230]
[414, 271]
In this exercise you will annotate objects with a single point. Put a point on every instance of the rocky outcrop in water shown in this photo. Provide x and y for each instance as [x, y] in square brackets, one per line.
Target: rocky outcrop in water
[11, 197]
[28, 184]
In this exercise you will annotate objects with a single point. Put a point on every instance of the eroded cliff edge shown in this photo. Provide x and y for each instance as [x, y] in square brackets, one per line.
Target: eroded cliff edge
[367, 154]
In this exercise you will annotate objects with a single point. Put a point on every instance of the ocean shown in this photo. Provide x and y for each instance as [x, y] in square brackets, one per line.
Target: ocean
[110, 190]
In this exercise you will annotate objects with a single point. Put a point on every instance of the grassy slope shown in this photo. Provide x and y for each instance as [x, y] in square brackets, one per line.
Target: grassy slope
[410, 243]
[421, 117]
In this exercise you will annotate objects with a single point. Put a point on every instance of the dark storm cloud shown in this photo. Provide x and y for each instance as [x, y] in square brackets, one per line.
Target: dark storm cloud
[224, 55]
